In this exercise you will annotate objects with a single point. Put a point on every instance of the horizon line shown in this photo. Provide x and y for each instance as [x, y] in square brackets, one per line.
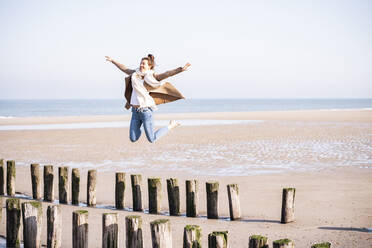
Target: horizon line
[255, 98]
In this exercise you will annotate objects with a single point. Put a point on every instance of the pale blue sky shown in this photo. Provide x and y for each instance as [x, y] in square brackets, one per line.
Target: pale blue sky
[238, 49]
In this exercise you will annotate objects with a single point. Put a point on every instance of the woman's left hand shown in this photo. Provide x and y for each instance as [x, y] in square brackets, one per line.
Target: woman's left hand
[186, 66]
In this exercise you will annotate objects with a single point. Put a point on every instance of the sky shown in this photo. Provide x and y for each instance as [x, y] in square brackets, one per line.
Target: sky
[237, 49]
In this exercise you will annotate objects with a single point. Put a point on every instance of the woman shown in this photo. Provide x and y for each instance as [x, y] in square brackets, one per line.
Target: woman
[143, 91]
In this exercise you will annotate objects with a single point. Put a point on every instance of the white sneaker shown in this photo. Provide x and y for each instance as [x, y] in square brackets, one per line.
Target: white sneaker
[173, 124]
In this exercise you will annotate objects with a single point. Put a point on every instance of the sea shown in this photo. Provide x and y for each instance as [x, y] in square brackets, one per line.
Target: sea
[85, 107]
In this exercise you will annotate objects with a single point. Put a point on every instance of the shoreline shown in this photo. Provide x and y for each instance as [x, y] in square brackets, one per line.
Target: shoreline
[355, 115]
[188, 113]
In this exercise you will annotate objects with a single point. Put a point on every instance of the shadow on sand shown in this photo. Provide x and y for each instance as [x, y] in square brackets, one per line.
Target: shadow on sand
[346, 229]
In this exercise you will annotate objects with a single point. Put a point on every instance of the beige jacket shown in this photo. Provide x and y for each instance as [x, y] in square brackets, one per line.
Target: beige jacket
[162, 94]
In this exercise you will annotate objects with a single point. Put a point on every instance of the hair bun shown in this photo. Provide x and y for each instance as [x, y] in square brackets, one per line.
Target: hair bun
[151, 57]
[151, 60]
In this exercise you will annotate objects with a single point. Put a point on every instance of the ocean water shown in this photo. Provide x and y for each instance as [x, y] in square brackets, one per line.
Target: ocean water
[82, 107]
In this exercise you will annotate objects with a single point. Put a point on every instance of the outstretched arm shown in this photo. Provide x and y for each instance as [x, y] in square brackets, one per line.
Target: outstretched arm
[120, 66]
[170, 73]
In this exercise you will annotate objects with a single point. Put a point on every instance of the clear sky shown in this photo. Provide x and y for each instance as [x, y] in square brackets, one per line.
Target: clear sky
[238, 49]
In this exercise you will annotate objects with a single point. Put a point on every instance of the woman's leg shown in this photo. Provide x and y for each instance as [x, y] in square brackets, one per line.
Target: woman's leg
[149, 126]
[135, 126]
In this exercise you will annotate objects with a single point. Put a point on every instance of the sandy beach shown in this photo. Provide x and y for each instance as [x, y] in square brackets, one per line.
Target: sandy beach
[326, 155]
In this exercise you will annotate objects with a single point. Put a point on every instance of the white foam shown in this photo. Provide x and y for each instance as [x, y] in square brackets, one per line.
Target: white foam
[120, 124]
[345, 109]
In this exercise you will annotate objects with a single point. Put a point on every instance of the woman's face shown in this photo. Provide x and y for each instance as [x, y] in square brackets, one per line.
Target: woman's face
[144, 66]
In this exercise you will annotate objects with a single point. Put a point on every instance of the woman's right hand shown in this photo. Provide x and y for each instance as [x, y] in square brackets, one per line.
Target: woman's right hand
[186, 66]
[109, 59]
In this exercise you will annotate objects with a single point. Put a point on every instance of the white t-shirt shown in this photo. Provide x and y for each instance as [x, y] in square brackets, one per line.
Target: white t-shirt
[140, 96]
[134, 99]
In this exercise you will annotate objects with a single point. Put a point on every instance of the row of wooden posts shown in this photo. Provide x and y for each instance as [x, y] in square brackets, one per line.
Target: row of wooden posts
[160, 230]
[154, 192]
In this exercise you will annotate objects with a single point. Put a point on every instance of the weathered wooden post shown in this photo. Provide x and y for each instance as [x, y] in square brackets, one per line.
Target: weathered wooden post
[11, 175]
[258, 241]
[110, 230]
[192, 198]
[13, 223]
[119, 190]
[2, 181]
[218, 240]
[161, 235]
[173, 197]
[54, 226]
[322, 245]
[63, 184]
[75, 186]
[48, 183]
[133, 230]
[91, 189]
[35, 180]
[283, 243]
[234, 201]
[32, 214]
[212, 200]
[192, 236]
[136, 181]
[288, 198]
[80, 229]
[154, 188]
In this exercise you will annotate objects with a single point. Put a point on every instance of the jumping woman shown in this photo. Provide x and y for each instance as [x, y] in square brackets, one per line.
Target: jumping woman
[144, 89]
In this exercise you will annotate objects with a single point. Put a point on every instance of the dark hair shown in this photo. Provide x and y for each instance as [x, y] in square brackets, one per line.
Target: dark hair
[151, 60]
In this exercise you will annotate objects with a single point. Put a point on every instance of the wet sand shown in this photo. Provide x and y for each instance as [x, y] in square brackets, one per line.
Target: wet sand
[326, 155]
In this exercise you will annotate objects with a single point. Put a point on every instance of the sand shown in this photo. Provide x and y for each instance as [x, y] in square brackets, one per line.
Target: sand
[326, 155]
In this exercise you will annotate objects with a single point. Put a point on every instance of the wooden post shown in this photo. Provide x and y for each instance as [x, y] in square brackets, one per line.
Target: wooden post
[192, 236]
[218, 240]
[212, 200]
[75, 186]
[80, 229]
[32, 214]
[110, 230]
[63, 184]
[133, 230]
[13, 222]
[11, 175]
[258, 241]
[91, 188]
[35, 180]
[2, 179]
[283, 243]
[192, 198]
[288, 205]
[161, 235]
[154, 188]
[136, 181]
[48, 183]
[119, 190]
[54, 226]
[234, 201]
[173, 197]
[322, 245]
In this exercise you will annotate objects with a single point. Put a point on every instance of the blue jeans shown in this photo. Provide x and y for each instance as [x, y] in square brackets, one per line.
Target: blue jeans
[144, 116]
